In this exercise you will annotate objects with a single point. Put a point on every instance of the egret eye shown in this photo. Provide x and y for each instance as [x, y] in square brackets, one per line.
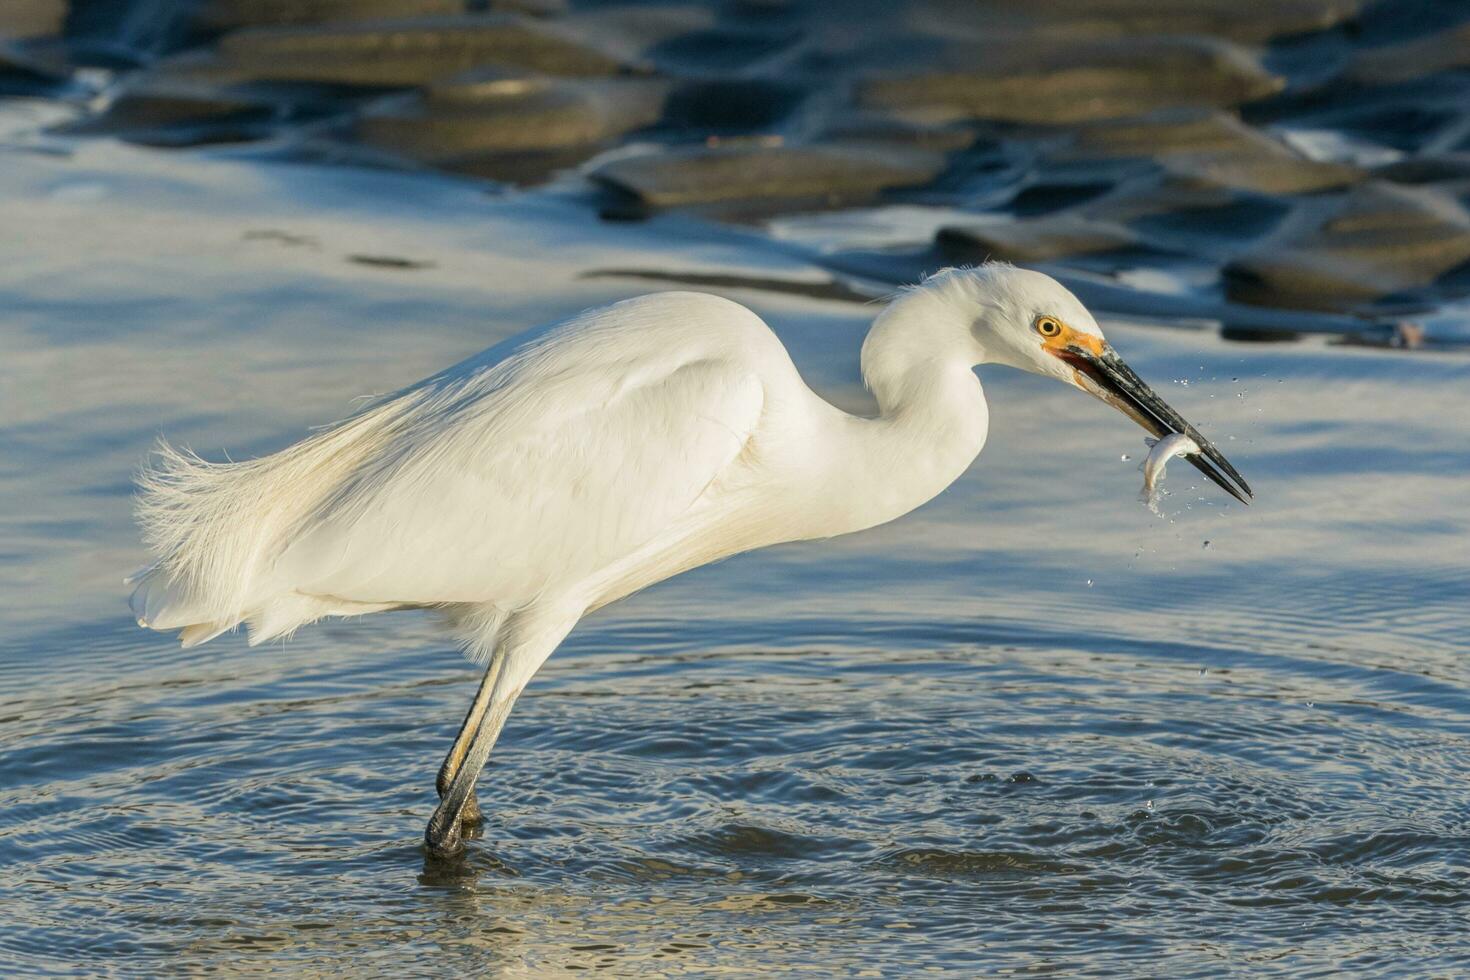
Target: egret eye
[1048, 326]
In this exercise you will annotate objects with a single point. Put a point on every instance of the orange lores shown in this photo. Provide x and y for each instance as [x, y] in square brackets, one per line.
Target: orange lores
[1068, 337]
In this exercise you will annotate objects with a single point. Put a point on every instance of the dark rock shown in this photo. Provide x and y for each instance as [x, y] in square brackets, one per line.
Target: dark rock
[402, 53]
[827, 174]
[1167, 215]
[1145, 199]
[390, 262]
[216, 16]
[1131, 18]
[1197, 219]
[1187, 130]
[870, 127]
[1346, 251]
[463, 124]
[1258, 335]
[1034, 80]
[1209, 148]
[24, 70]
[1408, 60]
[1446, 168]
[1269, 168]
[32, 18]
[1034, 240]
[148, 105]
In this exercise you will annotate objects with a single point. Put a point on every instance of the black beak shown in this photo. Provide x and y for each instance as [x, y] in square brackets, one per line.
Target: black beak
[1107, 377]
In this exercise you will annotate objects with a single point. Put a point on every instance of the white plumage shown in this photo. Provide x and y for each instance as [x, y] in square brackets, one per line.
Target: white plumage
[568, 467]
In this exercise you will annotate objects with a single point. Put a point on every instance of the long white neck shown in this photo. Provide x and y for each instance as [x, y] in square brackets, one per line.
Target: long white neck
[931, 423]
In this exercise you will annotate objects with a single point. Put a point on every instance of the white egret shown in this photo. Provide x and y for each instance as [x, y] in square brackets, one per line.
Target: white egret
[573, 465]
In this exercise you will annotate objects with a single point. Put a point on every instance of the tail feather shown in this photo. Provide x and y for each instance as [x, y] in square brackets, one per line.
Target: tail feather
[216, 528]
[160, 605]
[192, 636]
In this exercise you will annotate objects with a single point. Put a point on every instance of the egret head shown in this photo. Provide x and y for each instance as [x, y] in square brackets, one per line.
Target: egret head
[1030, 321]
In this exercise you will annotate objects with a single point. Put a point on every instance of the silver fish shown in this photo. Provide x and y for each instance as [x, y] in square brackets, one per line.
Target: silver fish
[1163, 450]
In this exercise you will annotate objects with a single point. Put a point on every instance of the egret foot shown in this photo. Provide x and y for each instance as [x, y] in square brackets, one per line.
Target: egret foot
[471, 815]
[444, 837]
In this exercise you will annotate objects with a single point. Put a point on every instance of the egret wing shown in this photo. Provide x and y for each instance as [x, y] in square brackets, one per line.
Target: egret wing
[523, 479]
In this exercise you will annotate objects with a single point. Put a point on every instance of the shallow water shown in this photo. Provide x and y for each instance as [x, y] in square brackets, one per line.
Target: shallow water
[1030, 728]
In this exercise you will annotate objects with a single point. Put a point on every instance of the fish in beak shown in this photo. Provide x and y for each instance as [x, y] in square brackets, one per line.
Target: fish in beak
[1100, 372]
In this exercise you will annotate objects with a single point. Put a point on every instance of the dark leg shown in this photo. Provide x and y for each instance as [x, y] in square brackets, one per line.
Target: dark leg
[444, 833]
[471, 815]
[528, 639]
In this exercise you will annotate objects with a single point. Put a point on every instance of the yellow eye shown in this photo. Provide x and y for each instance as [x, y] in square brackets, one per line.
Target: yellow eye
[1048, 326]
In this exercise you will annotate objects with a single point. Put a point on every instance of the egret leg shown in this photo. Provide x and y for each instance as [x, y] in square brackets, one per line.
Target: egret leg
[471, 815]
[529, 638]
[492, 707]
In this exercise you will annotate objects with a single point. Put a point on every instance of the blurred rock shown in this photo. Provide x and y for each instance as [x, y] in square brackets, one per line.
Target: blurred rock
[1033, 240]
[1345, 251]
[1258, 335]
[1445, 51]
[1130, 18]
[1269, 168]
[825, 175]
[145, 105]
[1034, 80]
[1165, 215]
[512, 128]
[1209, 148]
[398, 53]
[21, 19]
[24, 70]
[1445, 168]
[217, 16]
[1187, 130]
[870, 127]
